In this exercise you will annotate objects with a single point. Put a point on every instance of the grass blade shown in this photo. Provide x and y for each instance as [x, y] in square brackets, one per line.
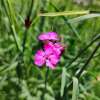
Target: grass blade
[75, 89]
[63, 81]
[16, 38]
[68, 23]
[12, 13]
[84, 17]
[65, 13]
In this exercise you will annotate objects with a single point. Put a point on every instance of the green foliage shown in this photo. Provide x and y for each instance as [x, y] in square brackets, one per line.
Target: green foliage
[77, 76]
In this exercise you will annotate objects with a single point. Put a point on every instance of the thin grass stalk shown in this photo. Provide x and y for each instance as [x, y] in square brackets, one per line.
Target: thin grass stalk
[67, 22]
[84, 66]
[87, 62]
[83, 50]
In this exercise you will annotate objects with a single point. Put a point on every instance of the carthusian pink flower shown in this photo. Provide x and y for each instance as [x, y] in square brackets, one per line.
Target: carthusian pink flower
[55, 48]
[51, 53]
[48, 36]
[39, 58]
[50, 56]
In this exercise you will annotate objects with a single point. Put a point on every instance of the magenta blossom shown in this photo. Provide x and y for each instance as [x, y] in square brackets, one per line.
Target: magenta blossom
[40, 58]
[49, 36]
[55, 48]
[51, 53]
[50, 56]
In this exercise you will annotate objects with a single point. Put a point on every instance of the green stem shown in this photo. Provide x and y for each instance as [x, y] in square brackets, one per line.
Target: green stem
[46, 78]
[45, 84]
[19, 69]
[26, 31]
[11, 21]
[15, 38]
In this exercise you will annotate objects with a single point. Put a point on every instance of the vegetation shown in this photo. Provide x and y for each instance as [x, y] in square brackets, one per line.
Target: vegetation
[77, 76]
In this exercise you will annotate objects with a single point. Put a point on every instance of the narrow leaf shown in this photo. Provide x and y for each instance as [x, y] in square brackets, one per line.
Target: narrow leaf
[16, 37]
[63, 81]
[11, 11]
[75, 89]
[65, 13]
[84, 17]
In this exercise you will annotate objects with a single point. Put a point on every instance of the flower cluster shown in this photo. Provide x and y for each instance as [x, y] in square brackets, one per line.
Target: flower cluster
[51, 52]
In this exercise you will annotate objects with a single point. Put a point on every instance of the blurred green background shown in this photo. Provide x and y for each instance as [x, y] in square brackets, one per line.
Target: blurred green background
[20, 25]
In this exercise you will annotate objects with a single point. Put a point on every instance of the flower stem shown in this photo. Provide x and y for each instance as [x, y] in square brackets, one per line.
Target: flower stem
[45, 84]
[46, 78]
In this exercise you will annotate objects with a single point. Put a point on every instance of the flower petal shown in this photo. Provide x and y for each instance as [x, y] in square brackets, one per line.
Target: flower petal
[48, 36]
[54, 59]
[49, 64]
[48, 48]
[51, 48]
[53, 36]
[58, 49]
[43, 36]
[59, 46]
[39, 58]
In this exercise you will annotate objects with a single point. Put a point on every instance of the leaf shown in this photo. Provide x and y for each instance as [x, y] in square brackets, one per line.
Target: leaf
[65, 13]
[12, 12]
[75, 89]
[84, 17]
[63, 81]
[16, 37]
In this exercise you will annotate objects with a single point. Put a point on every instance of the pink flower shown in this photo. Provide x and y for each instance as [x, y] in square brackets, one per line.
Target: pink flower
[59, 48]
[48, 36]
[48, 48]
[50, 56]
[39, 58]
[52, 50]
[55, 48]
[52, 61]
